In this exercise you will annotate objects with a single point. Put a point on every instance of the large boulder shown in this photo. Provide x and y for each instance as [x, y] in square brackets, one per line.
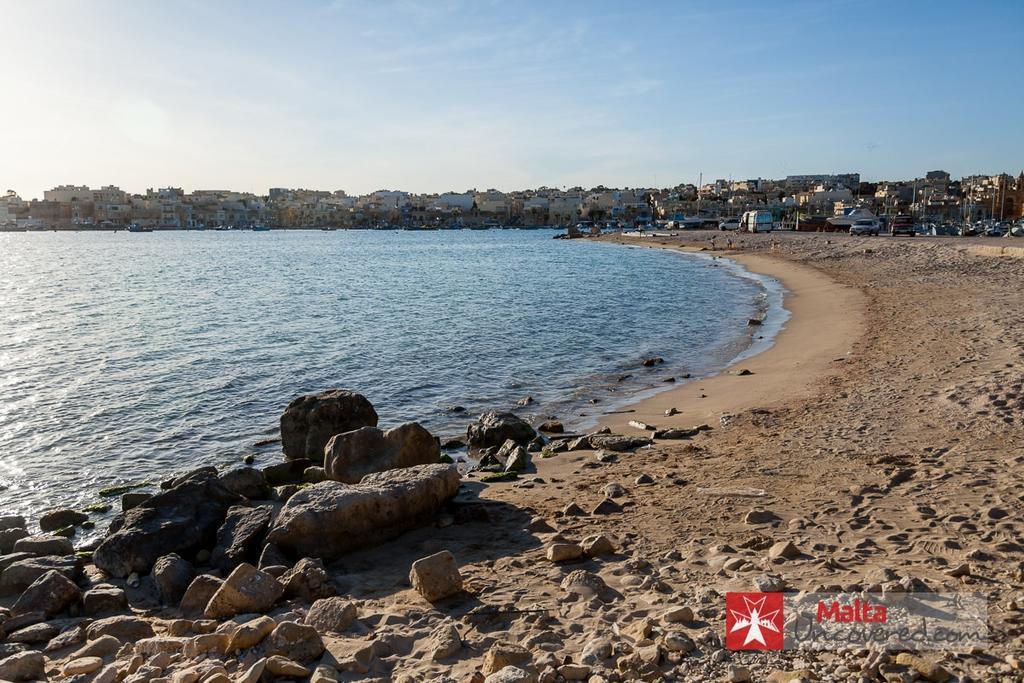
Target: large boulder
[494, 429]
[182, 520]
[44, 545]
[330, 519]
[353, 455]
[246, 481]
[172, 575]
[310, 421]
[240, 537]
[60, 518]
[11, 522]
[8, 537]
[21, 574]
[23, 666]
[50, 594]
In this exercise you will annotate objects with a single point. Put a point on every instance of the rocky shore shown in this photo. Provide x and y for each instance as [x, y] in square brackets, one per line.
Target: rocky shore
[892, 467]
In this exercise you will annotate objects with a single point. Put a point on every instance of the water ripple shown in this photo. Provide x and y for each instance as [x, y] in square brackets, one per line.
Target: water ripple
[126, 357]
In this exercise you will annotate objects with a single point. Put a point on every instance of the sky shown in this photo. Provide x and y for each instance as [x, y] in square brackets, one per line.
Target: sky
[443, 95]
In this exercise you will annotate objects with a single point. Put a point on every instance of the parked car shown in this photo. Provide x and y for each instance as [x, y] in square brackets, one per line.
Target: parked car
[729, 224]
[902, 224]
[995, 231]
[865, 226]
[757, 221]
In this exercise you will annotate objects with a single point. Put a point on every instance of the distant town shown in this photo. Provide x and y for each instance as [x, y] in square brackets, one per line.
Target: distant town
[935, 198]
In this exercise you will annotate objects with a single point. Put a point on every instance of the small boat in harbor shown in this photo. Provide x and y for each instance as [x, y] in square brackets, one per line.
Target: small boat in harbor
[260, 228]
[135, 227]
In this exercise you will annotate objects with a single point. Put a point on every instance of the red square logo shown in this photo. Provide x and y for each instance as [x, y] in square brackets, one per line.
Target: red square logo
[754, 621]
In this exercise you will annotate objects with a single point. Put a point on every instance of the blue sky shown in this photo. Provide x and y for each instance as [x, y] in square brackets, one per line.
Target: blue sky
[442, 94]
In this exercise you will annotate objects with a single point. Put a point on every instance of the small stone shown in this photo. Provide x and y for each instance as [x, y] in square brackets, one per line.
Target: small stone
[445, 641]
[250, 634]
[928, 669]
[572, 510]
[769, 583]
[297, 642]
[126, 628]
[104, 646]
[643, 479]
[564, 552]
[785, 550]
[959, 571]
[308, 580]
[246, 590]
[615, 490]
[254, 673]
[678, 615]
[198, 595]
[596, 545]
[675, 641]
[759, 517]
[585, 584]
[606, 507]
[738, 674]
[331, 615]
[510, 674]
[500, 655]
[282, 666]
[82, 665]
[58, 519]
[552, 427]
[103, 600]
[436, 577]
[574, 672]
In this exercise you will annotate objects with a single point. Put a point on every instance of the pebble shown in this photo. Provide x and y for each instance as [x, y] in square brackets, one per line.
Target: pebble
[564, 552]
[82, 665]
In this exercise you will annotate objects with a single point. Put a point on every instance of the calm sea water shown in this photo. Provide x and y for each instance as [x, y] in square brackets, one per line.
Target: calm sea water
[126, 357]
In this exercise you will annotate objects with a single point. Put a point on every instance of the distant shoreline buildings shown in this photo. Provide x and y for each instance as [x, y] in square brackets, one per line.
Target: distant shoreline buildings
[935, 196]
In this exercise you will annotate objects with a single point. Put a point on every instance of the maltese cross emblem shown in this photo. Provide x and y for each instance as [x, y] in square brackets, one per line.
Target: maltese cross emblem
[753, 621]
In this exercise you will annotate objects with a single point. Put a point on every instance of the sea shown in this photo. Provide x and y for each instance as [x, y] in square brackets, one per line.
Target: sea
[128, 357]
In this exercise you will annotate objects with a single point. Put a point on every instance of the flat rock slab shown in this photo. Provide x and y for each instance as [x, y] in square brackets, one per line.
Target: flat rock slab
[330, 519]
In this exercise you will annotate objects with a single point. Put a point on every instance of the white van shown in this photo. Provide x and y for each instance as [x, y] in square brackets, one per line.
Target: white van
[757, 221]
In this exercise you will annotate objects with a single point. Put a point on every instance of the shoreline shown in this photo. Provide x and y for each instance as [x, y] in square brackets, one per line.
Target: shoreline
[825, 321]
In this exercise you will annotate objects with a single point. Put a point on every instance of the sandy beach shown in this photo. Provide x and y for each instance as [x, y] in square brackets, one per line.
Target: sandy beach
[826, 318]
[878, 441]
